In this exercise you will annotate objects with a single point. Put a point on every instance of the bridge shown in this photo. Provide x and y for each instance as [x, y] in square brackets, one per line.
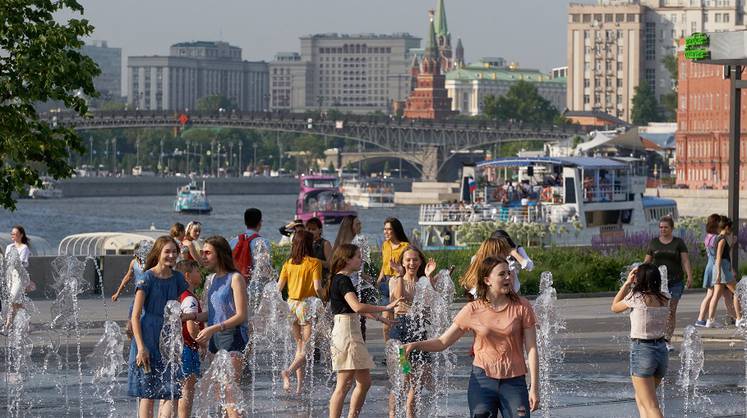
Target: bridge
[427, 144]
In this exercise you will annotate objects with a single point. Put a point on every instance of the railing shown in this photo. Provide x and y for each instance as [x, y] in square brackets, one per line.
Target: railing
[449, 213]
[602, 193]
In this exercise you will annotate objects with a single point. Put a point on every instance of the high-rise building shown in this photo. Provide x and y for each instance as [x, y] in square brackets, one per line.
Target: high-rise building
[469, 85]
[109, 60]
[353, 73]
[194, 70]
[429, 99]
[702, 137]
[616, 44]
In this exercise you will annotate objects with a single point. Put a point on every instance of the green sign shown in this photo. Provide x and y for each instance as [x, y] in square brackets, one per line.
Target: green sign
[696, 47]
[697, 39]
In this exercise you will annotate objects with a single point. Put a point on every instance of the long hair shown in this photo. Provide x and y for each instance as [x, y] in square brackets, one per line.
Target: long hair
[421, 268]
[301, 246]
[648, 282]
[397, 229]
[501, 233]
[340, 258]
[176, 230]
[155, 252]
[712, 223]
[345, 234]
[491, 247]
[22, 231]
[188, 229]
[223, 252]
[486, 266]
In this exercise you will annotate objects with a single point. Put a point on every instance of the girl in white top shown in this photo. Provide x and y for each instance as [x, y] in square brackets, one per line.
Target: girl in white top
[16, 288]
[649, 311]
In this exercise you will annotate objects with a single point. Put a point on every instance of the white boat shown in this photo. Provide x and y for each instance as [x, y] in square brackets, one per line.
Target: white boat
[567, 200]
[48, 190]
[369, 193]
[192, 199]
[95, 244]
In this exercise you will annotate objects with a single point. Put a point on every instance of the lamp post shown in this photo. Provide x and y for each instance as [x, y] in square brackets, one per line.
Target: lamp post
[254, 163]
[241, 167]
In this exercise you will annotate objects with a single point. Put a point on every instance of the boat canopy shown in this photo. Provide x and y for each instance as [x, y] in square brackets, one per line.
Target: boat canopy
[580, 162]
[95, 244]
[656, 202]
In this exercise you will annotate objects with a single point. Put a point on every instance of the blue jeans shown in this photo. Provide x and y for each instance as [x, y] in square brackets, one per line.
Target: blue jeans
[648, 359]
[676, 289]
[384, 289]
[487, 396]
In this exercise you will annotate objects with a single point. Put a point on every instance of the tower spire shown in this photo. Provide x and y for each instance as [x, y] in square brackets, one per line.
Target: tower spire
[431, 50]
[440, 25]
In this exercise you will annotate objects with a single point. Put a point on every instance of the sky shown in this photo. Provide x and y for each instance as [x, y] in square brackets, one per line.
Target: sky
[530, 32]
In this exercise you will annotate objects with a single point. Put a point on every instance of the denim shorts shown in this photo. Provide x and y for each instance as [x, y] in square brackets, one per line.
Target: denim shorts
[229, 340]
[384, 290]
[648, 359]
[487, 396]
[190, 361]
[676, 289]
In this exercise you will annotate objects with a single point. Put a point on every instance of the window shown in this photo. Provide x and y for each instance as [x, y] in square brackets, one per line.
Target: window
[651, 78]
[693, 27]
[726, 17]
[631, 17]
[674, 18]
[650, 41]
[586, 82]
[718, 17]
[705, 17]
[619, 17]
[619, 66]
[575, 18]
[586, 99]
[619, 82]
[608, 17]
[586, 18]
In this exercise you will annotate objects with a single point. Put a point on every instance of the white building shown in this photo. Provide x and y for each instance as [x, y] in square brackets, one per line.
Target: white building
[468, 86]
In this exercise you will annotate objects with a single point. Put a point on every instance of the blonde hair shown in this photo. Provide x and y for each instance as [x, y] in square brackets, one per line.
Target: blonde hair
[491, 247]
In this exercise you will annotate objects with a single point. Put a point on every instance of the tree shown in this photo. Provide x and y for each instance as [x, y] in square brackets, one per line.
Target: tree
[645, 109]
[669, 100]
[215, 103]
[522, 103]
[40, 62]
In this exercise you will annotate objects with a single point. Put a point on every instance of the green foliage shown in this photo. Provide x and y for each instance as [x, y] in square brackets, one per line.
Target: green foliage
[669, 100]
[215, 103]
[645, 108]
[40, 62]
[522, 103]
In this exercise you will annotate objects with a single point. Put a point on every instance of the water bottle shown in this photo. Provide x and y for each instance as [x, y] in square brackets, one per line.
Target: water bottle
[404, 363]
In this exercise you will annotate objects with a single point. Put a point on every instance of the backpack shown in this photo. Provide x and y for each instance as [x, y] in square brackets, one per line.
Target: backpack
[242, 255]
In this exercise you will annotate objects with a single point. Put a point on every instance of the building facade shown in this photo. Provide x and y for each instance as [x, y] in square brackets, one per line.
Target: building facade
[702, 138]
[351, 73]
[468, 86]
[616, 44]
[194, 70]
[109, 60]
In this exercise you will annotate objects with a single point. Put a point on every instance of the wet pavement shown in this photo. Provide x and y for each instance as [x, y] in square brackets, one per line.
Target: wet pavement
[592, 382]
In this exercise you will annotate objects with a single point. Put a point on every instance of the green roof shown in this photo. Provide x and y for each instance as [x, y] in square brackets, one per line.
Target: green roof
[477, 72]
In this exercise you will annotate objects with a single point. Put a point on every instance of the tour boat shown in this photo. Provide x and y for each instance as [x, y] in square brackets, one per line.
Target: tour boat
[192, 199]
[578, 201]
[369, 193]
[48, 190]
[320, 197]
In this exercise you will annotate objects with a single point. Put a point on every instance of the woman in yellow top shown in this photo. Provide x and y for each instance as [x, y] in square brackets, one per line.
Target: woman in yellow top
[303, 276]
[395, 242]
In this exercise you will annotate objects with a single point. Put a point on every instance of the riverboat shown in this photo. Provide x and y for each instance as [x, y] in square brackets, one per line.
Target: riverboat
[368, 193]
[48, 190]
[191, 199]
[577, 201]
[320, 197]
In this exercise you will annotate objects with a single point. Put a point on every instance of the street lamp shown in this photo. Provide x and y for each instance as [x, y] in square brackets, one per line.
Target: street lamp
[241, 167]
[254, 164]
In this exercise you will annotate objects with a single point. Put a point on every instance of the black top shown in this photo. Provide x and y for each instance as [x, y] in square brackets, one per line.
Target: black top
[318, 252]
[669, 255]
[341, 286]
[726, 253]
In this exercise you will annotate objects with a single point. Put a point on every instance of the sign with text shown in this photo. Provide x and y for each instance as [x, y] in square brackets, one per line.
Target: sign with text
[697, 47]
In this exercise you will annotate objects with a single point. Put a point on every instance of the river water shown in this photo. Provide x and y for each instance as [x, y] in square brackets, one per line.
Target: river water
[55, 219]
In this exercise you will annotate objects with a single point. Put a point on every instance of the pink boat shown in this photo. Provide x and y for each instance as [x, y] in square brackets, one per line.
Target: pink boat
[320, 197]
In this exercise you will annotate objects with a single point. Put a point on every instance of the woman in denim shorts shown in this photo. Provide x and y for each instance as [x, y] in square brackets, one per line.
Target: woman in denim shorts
[649, 310]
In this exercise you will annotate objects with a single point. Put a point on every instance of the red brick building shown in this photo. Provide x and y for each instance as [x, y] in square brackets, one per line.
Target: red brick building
[429, 99]
[702, 153]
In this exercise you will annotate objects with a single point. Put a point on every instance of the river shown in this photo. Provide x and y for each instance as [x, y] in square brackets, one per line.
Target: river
[55, 219]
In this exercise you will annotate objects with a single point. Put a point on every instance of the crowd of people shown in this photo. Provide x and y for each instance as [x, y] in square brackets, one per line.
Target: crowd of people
[504, 376]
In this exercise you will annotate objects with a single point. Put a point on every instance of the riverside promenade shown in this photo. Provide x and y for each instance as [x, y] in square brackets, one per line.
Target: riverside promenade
[593, 381]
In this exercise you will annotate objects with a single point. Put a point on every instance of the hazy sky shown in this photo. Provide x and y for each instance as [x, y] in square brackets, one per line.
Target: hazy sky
[532, 32]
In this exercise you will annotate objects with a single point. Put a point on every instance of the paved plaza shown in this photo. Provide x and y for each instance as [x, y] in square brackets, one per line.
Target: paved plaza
[593, 381]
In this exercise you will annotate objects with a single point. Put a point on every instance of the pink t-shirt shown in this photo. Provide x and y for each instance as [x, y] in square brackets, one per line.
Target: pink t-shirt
[499, 336]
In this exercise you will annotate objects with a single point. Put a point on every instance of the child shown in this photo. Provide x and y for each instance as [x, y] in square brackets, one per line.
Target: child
[190, 329]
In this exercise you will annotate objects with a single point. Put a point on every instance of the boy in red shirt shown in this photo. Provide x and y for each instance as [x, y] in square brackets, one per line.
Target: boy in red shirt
[190, 329]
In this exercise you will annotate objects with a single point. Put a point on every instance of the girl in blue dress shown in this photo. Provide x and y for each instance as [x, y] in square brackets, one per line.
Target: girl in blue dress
[148, 377]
